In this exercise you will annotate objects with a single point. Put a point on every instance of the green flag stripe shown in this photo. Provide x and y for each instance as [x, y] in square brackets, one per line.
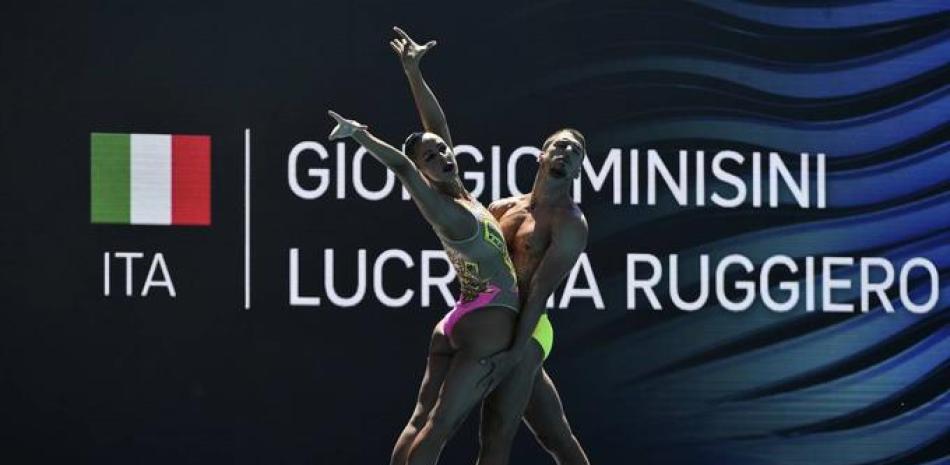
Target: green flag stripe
[110, 178]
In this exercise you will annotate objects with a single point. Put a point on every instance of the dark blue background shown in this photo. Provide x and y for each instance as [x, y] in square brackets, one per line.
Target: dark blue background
[197, 379]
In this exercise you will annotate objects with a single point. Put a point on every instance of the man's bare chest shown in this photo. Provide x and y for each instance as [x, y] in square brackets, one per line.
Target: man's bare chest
[527, 233]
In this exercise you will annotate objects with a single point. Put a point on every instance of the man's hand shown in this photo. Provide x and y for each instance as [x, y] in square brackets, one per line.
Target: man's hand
[408, 50]
[500, 365]
[344, 127]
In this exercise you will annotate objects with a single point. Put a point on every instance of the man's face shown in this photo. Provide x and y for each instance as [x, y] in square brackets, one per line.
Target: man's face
[435, 159]
[562, 155]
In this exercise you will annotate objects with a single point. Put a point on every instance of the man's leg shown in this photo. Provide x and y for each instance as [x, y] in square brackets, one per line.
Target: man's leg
[502, 410]
[545, 416]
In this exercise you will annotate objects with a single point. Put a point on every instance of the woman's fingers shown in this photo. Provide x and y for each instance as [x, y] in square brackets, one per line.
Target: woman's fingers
[341, 124]
[401, 33]
[344, 127]
[425, 48]
[406, 47]
[336, 116]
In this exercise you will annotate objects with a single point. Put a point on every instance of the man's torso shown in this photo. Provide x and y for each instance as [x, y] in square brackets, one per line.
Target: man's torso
[528, 234]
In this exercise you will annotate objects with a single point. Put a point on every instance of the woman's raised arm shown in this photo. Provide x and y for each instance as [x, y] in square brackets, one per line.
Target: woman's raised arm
[430, 112]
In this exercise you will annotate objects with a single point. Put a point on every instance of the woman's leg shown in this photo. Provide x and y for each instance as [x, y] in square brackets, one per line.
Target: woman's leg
[477, 335]
[502, 409]
[440, 354]
[545, 416]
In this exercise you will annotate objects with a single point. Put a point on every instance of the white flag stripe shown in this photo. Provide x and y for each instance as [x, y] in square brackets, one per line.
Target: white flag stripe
[151, 178]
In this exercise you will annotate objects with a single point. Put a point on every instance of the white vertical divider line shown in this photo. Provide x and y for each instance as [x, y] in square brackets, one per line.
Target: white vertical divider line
[247, 219]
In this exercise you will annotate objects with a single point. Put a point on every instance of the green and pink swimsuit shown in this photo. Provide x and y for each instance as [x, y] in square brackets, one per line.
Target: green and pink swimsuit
[483, 267]
[487, 276]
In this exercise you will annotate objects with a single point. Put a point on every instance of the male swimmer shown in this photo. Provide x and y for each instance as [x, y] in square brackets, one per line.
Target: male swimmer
[546, 233]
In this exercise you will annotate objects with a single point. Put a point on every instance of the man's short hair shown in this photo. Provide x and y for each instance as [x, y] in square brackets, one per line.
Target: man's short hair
[574, 132]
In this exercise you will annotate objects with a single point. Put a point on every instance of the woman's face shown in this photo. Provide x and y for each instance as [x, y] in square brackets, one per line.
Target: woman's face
[435, 159]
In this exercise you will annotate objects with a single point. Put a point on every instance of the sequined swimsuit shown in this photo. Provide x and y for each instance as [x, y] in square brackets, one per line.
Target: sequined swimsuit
[484, 269]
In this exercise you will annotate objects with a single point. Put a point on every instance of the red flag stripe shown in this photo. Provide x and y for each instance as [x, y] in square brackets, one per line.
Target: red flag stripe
[191, 180]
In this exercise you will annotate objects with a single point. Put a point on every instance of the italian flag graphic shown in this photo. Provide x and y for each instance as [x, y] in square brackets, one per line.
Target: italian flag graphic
[151, 179]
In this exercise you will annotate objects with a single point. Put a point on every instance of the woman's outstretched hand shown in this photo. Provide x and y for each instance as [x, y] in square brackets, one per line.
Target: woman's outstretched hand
[408, 50]
[344, 127]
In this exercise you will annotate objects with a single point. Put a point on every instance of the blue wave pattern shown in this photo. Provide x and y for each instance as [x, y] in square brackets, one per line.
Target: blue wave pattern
[846, 78]
[762, 387]
[848, 138]
[828, 17]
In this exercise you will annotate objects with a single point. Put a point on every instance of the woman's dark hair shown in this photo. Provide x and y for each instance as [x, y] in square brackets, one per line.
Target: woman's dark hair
[409, 146]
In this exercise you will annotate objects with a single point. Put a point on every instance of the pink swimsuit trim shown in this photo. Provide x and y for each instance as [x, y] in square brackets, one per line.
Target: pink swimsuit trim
[464, 308]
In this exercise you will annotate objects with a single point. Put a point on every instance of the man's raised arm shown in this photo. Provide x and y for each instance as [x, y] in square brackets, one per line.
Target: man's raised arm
[567, 243]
